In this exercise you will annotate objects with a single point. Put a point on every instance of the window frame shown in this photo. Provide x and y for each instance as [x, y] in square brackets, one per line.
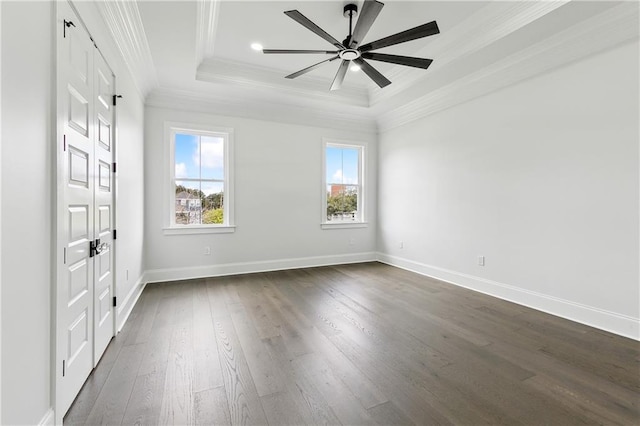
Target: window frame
[227, 134]
[362, 150]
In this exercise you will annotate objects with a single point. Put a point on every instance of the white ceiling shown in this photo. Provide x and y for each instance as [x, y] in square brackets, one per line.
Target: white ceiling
[201, 49]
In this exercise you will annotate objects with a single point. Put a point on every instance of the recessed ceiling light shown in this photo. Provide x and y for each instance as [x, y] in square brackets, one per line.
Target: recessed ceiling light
[256, 46]
[355, 68]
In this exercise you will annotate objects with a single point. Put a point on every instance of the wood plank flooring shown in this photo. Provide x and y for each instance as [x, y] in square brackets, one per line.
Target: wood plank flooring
[359, 344]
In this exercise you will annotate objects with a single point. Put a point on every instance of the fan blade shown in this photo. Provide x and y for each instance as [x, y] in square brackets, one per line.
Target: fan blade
[400, 60]
[342, 71]
[368, 14]
[373, 73]
[421, 31]
[328, 52]
[306, 22]
[312, 67]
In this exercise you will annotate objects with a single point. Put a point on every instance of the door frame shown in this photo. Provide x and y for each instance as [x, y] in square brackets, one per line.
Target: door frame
[58, 225]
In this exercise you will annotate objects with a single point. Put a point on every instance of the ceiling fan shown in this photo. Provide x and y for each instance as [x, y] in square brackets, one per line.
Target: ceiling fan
[351, 50]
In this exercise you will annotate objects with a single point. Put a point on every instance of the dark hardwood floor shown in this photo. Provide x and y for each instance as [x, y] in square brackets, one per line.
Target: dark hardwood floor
[356, 344]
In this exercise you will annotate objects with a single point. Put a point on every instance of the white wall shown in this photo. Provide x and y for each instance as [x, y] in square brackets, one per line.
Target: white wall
[541, 178]
[278, 197]
[130, 189]
[26, 207]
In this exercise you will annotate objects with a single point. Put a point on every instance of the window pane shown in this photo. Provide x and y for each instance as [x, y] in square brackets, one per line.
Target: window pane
[350, 165]
[334, 165]
[342, 165]
[186, 156]
[342, 203]
[213, 203]
[188, 203]
[212, 157]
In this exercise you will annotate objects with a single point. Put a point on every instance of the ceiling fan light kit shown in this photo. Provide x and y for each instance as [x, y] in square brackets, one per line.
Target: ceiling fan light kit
[350, 50]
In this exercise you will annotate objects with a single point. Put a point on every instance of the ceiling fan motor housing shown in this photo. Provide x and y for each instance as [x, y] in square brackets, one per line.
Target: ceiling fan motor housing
[350, 10]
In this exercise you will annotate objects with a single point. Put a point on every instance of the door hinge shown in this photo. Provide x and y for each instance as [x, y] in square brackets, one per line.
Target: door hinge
[63, 368]
[115, 97]
[114, 235]
[64, 143]
[114, 167]
[115, 301]
[66, 24]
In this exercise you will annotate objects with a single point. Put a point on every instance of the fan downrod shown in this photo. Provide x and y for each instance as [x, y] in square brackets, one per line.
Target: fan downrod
[349, 11]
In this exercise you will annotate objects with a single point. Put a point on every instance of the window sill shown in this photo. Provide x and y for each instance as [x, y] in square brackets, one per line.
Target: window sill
[193, 230]
[343, 225]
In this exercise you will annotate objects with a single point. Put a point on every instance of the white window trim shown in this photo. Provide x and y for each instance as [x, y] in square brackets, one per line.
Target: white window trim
[170, 227]
[362, 147]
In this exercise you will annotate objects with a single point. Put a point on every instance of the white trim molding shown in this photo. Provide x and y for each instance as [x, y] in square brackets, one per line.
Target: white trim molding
[125, 24]
[207, 25]
[211, 103]
[622, 325]
[257, 77]
[198, 230]
[343, 225]
[173, 274]
[125, 308]
[48, 419]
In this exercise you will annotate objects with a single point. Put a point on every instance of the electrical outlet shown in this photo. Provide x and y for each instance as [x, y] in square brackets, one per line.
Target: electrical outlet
[401, 244]
[481, 260]
[207, 251]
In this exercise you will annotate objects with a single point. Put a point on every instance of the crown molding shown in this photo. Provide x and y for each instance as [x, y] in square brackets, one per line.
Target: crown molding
[125, 24]
[239, 106]
[207, 24]
[603, 31]
[493, 22]
[225, 71]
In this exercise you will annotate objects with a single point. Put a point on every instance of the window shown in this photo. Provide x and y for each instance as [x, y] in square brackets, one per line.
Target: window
[343, 185]
[200, 180]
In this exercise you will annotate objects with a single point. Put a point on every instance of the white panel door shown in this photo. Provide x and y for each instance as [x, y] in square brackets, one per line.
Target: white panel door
[104, 211]
[85, 208]
[75, 280]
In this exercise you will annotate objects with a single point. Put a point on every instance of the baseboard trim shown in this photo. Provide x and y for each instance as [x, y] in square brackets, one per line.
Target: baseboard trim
[612, 322]
[49, 418]
[130, 301]
[174, 274]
